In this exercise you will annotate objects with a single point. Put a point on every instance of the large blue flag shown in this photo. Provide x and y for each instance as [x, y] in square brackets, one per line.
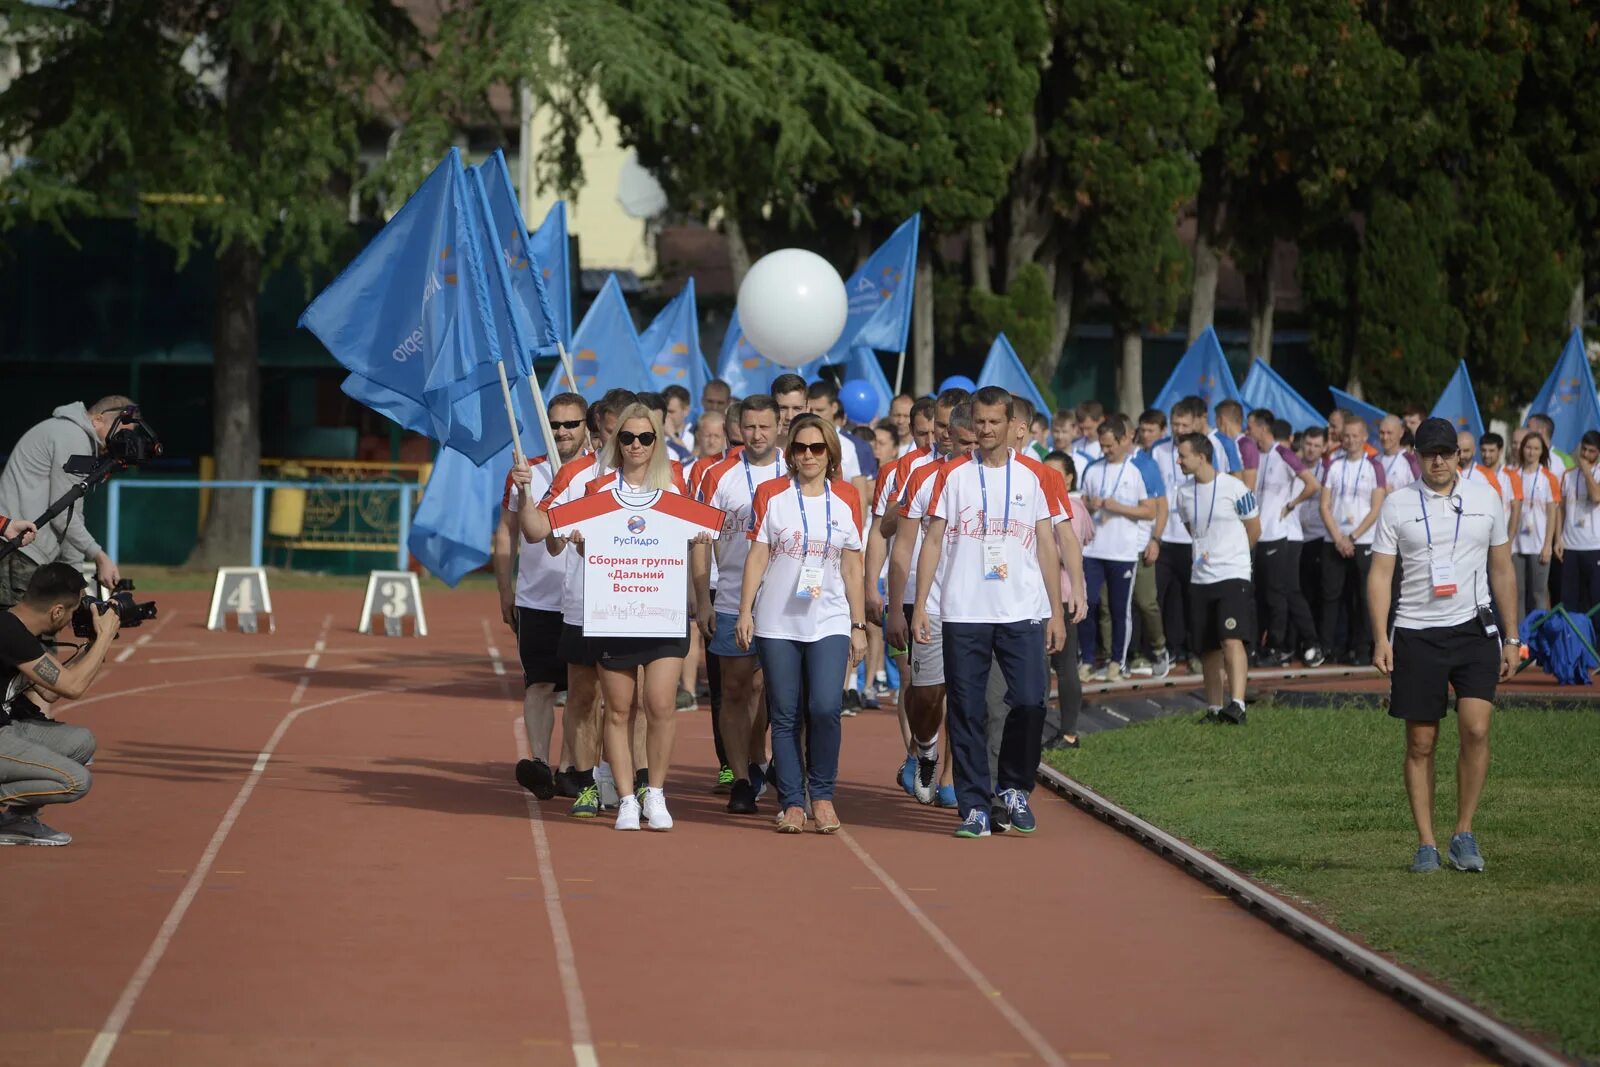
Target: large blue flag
[749, 373]
[523, 267]
[605, 350]
[1203, 372]
[549, 247]
[1004, 368]
[880, 295]
[1568, 396]
[1370, 414]
[671, 347]
[1459, 404]
[1265, 388]
[863, 364]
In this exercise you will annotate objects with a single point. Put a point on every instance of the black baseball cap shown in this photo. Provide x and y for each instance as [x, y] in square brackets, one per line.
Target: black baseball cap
[1434, 436]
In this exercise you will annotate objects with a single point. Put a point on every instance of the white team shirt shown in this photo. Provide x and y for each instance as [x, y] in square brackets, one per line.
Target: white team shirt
[979, 511]
[1538, 493]
[1352, 482]
[731, 488]
[1580, 524]
[1310, 513]
[1131, 482]
[1399, 470]
[1215, 515]
[849, 462]
[1402, 532]
[570, 483]
[917, 507]
[828, 526]
[1277, 483]
[540, 576]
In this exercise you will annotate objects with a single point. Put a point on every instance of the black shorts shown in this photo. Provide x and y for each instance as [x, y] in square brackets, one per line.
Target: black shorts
[1429, 663]
[576, 649]
[538, 641]
[1221, 611]
[621, 653]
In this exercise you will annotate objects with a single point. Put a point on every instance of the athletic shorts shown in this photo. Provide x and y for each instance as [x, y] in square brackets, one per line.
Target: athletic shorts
[1429, 663]
[538, 646]
[576, 649]
[722, 642]
[1221, 611]
[622, 653]
[927, 660]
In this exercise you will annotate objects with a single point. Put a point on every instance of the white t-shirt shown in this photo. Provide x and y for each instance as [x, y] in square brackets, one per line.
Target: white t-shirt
[1580, 526]
[570, 483]
[1215, 515]
[892, 479]
[804, 532]
[1164, 453]
[991, 506]
[731, 488]
[1401, 531]
[1310, 513]
[1131, 482]
[849, 462]
[914, 499]
[1538, 493]
[1277, 483]
[1399, 470]
[540, 576]
[636, 557]
[1352, 482]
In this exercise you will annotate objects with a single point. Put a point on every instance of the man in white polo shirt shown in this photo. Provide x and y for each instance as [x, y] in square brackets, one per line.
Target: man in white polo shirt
[1449, 535]
[1352, 493]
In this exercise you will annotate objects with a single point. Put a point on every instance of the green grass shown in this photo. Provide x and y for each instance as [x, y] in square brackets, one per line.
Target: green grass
[1311, 802]
[177, 579]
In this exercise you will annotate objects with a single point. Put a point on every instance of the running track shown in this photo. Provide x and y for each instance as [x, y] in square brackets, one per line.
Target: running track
[307, 849]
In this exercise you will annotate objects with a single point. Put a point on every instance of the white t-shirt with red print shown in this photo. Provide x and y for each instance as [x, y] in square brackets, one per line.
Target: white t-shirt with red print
[569, 485]
[990, 559]
[731, 488]
[915, 507]
[540, 576]
[803, 533]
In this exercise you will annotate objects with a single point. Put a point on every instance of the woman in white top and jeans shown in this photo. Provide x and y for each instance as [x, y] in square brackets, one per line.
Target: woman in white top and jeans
[803, 597]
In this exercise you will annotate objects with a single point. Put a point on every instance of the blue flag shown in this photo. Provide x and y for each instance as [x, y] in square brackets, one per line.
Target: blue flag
[1004, 368]
[605, 350]
[408, 413]
[863, 364]
[880, 295]
[523, 268]
[1265, 388]
[671, 347]
[1202, 372]
[1371, 414]
[1568, 396]
[748, 372]
[549, 247]
[1459, 404]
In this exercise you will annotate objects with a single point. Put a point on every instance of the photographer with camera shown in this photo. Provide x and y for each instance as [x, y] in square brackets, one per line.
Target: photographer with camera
[42, 760]
[34, 476]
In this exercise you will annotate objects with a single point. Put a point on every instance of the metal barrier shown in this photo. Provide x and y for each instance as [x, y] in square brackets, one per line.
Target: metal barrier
[258, 510]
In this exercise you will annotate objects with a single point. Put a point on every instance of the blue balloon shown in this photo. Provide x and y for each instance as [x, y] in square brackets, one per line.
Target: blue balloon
[958, 381]
[859, 400]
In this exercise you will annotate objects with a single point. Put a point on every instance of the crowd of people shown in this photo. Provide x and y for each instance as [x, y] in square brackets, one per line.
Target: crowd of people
[969, 548]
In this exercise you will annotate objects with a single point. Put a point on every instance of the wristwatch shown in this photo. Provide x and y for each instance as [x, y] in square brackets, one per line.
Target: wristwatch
[1514, 642]
[858, 626]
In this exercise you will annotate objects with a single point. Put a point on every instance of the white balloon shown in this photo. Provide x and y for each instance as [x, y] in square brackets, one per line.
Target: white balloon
[792, 306]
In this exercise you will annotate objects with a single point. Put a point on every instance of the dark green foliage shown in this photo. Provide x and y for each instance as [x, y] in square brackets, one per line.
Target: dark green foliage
[1025, 313]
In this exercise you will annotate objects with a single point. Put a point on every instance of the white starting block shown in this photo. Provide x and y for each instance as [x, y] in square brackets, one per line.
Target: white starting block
[241, 592]
[397, 596]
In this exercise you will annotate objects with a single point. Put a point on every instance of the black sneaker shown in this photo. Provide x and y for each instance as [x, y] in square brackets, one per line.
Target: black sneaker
[1061, 743]
[1232, 713]
[742, 798]
[1275, 660]
[1313, 657]
[999, 818]
[1210, 717]
[852, 703]
[534, 776]
[569, 783]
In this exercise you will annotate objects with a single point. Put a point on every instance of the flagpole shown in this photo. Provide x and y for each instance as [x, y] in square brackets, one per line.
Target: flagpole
[566, 363]
[899, 371]
[511, 415]
[544, 423]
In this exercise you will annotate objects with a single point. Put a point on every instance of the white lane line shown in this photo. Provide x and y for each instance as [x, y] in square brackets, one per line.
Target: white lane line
[993, 995]
[263, 653]
[144, 639]
[311, 660]
[494, 653]
[1115, 714]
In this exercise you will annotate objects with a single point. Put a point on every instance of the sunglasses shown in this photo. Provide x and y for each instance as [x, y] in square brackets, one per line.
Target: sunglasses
[816, 448]
[628, 437]
[573, 425]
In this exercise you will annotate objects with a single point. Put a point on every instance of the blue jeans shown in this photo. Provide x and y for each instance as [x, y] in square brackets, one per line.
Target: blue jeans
[1117, 577]
[818, 667]
[969, 647]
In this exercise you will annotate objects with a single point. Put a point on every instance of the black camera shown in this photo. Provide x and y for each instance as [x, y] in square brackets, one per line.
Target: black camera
[129, 611]
[132, 441]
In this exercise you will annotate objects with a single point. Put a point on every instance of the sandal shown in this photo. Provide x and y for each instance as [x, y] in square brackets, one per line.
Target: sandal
[827, 819]
[792, 821]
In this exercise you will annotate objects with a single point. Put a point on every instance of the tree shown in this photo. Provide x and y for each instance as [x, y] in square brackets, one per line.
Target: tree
[223, 128]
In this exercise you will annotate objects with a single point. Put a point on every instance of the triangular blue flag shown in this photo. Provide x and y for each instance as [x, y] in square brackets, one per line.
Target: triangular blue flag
[671, 348]
[1004, 368]
[1265, 388]
[550, 249]
[748, 372]
[1459, 404]
[1370, 414]
[605, 350]
[1203, 372]
[880, 295]
[523, 267]
[1568, 396]
[863, 365]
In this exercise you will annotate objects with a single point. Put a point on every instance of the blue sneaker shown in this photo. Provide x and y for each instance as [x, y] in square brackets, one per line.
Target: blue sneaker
[947, 796]
[1426, 859]
[1016, 802]
[976, 824]
[908, 776]
[1464, 854]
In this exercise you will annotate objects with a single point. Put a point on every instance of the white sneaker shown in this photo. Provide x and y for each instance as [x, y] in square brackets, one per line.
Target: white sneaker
[627, 813]
[655, 810]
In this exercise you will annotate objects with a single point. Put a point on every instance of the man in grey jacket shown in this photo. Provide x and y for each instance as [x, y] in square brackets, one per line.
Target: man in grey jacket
[33, 479]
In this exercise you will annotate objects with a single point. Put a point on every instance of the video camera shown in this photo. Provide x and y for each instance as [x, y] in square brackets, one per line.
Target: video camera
[129, 611]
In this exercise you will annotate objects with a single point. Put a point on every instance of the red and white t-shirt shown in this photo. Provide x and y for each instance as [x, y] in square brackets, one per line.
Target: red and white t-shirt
[1539, 491]
[990, 558]
[540, 576]
[732, 488]
[892, 479]
[569, 485]
[636, 557]
[914, 507]
[829, 526]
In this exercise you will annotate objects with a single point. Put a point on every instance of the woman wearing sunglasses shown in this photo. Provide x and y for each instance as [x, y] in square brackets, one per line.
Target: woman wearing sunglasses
[646, 667]
[803, 597]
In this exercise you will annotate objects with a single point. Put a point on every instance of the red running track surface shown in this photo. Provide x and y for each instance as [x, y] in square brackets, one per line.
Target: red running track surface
[378, 890]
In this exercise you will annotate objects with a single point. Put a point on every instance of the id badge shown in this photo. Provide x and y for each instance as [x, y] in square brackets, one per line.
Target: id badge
[994, 561]
[1444, 577]
[809, 587]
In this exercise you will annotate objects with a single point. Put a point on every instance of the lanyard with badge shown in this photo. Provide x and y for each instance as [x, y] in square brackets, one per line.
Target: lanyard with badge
[1211, 515]
[1347, 518]
[994, 552]
[1105, 472]
[751, 482]
[1442, 571]
[809, 587]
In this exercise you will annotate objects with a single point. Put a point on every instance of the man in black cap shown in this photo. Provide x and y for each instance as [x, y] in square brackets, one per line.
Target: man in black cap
[1450, 536]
